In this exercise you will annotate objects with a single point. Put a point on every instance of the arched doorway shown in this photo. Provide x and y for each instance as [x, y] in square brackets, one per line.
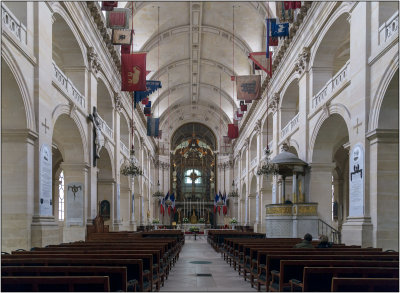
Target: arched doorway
[329, 182]
[252, 201]
[105, 187]
[193, 170]
[69, 179]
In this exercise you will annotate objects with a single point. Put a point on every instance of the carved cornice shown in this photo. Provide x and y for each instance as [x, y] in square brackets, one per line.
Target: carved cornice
[257, 127]
[302, 61]
[118, 102]
[94, 64]
[274, 102]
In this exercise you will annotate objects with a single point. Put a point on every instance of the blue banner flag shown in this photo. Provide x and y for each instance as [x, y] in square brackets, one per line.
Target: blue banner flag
[279, 29]
[151, 87]
[152, 126]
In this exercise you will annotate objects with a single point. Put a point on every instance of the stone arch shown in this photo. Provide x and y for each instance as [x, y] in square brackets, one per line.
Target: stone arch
[331, 50]
[15, 69]
[58, 9]
[328, 154]
[64, 109]
[331, 109]
[289, 103]
[388, 75]
[68, 49]
[253, 147]
[105, 102]
[106, 181]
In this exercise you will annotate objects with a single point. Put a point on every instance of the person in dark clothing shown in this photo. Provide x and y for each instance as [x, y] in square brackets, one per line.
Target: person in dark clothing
[324, 242]
[306, 243]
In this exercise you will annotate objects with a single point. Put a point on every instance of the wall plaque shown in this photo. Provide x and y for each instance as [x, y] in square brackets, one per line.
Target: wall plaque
[74, 213]
[357, 175]
[45, 181]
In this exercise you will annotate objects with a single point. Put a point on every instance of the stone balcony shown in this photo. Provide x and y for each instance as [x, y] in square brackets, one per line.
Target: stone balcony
[11, 22]
[389, 30]
[290, 127]
[67, 87]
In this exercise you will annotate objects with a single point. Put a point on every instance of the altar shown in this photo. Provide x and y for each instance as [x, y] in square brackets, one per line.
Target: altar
[201, 226]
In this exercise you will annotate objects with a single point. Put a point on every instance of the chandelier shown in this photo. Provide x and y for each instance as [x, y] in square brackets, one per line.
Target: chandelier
[131, 169]
[234, 192]
[158, 193]
[268, 168]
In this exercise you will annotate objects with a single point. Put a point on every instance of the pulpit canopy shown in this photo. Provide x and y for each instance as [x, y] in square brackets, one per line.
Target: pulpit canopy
[288, 162]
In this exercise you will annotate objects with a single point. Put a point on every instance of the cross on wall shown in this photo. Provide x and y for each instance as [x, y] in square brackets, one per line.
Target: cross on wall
[358, 124]
[46, 127]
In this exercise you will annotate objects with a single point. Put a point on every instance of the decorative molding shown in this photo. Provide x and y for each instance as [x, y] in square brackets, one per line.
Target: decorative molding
[302, 61]
[274, 102]
[93, 59]
[118, 102]
[257, 127]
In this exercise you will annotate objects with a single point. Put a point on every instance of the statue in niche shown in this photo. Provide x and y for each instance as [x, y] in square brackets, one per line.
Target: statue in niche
[105, 209]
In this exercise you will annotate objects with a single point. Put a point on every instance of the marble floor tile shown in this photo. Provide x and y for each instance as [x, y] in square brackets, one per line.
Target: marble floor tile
[183, 276]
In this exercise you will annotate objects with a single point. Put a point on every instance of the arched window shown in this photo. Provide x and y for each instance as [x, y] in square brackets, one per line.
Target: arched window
[61, 196]
[193, 173]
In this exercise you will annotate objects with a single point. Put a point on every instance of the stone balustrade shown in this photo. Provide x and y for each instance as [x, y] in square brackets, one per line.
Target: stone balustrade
[105, 128]
[68, 87]
[253, 163]
[10, 21]
[124, 149]
[290, 127]
[388, 29]
[331, 86]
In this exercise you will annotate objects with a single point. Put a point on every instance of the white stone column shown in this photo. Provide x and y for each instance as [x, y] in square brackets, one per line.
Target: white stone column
[294, 188]
[43, 226]
[117, 162]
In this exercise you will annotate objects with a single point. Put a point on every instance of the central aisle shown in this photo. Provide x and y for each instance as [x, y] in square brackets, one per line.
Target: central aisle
[184, 276]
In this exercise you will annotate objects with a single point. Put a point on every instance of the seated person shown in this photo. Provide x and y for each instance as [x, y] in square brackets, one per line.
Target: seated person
[306, 243]
[324, 242]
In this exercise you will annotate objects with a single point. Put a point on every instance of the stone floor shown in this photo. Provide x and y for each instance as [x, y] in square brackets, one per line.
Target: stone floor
[184, 275]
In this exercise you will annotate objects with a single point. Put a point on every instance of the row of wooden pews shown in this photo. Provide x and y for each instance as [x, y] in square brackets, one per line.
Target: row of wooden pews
[274, 264]
[107, 261]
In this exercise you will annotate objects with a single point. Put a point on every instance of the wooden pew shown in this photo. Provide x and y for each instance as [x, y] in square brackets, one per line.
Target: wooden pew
[273, 265]
[117, 275]
[319, 279]
[365, 285]
[296, 251]
[134, 266]
[55, 284]
[146, 258]
[156, 275]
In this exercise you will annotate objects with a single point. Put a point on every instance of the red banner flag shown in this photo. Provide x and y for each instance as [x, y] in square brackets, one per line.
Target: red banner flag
[108, 5]
[125, 49]
[133, 72]
[264, 63]
[243, 108]
[248, 87]
[145, 101]
[233, 131]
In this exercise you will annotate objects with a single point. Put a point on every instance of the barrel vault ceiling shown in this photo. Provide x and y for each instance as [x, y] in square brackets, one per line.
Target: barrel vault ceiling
[190, 52]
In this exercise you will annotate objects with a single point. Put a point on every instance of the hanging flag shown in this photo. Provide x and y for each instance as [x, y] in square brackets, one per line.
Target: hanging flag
[125, 49]
[264, 63]
[118, 18]
[227, 139]
[216, 198]
[248, 101]
[239, 113]
[145, 101]
[224, 208]
[133, 72]
[279, 29]
[152, 126]
[270, 40]
[151, 86]
[147, 111]
[248, 87]
[148, 104]
[233, 131]
[235, 116]
[172, 198]
[162, 206]
[243, 107]
[121, 37]
[108, 5]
